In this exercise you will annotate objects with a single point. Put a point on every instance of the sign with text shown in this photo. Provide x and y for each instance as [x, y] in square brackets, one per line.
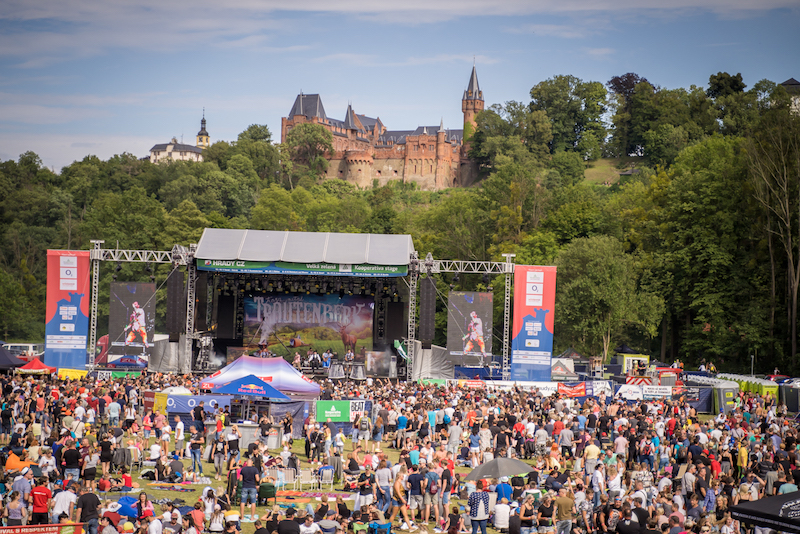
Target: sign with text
[306, 269]
[575, 390]
[532, 333]
[67, 312]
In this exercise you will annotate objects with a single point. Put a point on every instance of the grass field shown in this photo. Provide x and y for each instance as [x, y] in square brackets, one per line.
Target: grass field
[208, 469]
[608, 169]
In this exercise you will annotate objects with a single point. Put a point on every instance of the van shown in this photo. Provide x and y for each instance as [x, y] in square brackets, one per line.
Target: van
[25, 351]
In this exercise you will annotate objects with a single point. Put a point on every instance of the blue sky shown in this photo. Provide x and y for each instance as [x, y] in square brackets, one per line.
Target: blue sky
[81, 77]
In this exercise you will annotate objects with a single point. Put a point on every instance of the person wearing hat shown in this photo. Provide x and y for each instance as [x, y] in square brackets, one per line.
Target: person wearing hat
[23, 483]
[329, 525]
[504, 490]
[42, 501]
[154, 525]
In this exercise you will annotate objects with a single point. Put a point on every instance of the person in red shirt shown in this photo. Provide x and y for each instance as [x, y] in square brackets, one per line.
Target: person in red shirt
[716, 467]
[42, 499]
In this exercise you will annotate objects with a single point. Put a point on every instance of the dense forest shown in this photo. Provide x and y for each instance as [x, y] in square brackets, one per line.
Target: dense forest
[673, 215]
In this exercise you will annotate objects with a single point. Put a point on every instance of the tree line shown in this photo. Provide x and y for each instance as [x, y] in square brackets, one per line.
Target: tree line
[691, 251]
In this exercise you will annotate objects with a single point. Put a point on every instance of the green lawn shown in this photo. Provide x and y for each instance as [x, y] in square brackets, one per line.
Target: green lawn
[608, 169]
[208, 469]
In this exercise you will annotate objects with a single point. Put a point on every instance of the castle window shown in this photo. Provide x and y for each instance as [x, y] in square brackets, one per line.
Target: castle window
[415, 169]
[431, 168]
[378, 173]
[395, 173]
[341, 173]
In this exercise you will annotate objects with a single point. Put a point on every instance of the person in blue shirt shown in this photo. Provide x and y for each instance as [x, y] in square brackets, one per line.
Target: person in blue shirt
[402, 423]
[413, 455]
[504, 490]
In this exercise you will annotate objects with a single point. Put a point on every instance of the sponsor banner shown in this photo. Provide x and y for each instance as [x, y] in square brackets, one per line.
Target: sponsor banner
[186, 403]
[598, 387]
[683, 393]
[532, 333]
[285, 324]
[67, 312]
[284, 267]
[629, 392]
[469, 326]
[72, 374]
[575, 390]
[160, 403]
[471, 384]
[334, 411]
[61, 528]
[656, 392]
[131, 324]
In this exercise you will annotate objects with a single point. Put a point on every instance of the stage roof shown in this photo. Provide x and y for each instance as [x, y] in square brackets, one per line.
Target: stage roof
[304, 247]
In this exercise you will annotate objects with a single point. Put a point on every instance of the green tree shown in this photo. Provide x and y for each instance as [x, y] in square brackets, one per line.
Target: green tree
[307, 144]
[598, 295]
[723, 84]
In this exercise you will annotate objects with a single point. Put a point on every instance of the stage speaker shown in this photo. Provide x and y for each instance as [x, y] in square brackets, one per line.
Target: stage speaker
[226, 316]
[176, 305]
[396, 320]
[427, 311]
[201, 304]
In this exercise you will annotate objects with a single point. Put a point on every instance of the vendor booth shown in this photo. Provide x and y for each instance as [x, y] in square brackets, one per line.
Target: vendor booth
[275, 371]
[780, 513]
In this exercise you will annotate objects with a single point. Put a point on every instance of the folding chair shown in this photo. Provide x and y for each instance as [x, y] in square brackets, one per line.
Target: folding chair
[326, 478]
[380, 528]
[306, 476]
[289, 478]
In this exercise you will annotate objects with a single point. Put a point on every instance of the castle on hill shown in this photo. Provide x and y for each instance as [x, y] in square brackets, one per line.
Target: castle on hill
[365, 150]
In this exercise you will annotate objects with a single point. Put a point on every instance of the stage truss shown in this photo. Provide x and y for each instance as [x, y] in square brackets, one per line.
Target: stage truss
[183, 256]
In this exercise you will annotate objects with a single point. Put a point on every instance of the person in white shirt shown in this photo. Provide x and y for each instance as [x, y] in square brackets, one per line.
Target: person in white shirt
[63, 502]
[502, 514]
[154, 524]
[155, 452]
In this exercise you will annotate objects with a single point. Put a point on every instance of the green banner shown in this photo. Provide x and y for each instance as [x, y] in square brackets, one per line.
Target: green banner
[333, 411]
[283, 267]
[123, 374]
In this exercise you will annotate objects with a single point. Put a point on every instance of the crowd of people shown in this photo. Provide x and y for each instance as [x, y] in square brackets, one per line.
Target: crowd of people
[601, 465]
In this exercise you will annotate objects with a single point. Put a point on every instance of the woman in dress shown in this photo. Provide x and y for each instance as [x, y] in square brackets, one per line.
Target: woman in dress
[15, 512]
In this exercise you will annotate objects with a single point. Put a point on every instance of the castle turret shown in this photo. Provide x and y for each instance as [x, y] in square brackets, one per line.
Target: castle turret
[471, 104]
[203, 140]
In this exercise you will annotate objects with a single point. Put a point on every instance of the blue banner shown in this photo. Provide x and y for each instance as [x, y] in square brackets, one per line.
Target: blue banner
[67, 312]
[186, 403]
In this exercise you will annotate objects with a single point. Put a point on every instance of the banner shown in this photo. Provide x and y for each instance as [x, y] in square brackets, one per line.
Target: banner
[72, 374]
[532, 334]
[285, 324]
[67, 312]
[684, 393]
[577, 390]
[333, 411]
[469, 327]
[306, 269]
[656, 392]
[61, 528]
[629, 392]
[186, 403]
[131, 324]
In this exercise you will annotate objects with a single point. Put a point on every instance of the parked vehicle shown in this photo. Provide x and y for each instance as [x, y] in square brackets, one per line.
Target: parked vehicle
[25, 351]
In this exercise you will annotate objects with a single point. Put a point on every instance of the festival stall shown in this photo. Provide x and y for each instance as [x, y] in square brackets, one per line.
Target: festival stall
[780, 513]
[8, 360]
[36, 367]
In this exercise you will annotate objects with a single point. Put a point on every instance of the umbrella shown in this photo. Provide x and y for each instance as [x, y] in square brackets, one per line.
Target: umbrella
[781, 513]
[499, 467]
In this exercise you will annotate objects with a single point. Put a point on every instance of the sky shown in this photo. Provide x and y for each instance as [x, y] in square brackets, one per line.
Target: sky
[93, 77]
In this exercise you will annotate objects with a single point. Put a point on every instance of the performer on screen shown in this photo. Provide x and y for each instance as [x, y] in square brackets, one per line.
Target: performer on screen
[136, 326]
[474, 336]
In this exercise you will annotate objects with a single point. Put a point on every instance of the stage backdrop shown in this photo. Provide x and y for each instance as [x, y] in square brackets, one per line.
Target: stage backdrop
[67, 326]
[296, 323]
[469, 327]
[534, 305]
[131, 324]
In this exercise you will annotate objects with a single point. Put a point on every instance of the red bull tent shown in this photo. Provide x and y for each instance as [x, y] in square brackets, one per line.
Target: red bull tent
[253, 386]
[274, 371]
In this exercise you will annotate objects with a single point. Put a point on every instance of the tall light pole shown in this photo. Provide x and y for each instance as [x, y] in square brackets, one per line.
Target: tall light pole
[752, 362]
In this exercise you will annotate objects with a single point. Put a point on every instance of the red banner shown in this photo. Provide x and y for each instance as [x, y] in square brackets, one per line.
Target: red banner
[534, 308]
[578, 390]
[61, 528]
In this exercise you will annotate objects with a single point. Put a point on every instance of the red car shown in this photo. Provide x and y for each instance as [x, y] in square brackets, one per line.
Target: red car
[777, 378]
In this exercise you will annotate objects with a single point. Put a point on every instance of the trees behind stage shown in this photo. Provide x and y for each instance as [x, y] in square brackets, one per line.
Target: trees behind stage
[674, 224]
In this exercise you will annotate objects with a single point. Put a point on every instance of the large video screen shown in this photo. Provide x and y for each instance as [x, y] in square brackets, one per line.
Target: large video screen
[469, 326]
[285, 324]
[131, 324]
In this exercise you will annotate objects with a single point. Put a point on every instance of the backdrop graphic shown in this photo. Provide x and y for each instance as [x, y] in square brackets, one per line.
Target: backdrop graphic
[469, 326]
[532, 333]
[297, 323]
[131, 323]
[67, 326]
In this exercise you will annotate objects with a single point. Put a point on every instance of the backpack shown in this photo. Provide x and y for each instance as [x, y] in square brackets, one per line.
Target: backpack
[433, 489]
[447, 419]
[683, 454]
[364, 424]
[647, 449]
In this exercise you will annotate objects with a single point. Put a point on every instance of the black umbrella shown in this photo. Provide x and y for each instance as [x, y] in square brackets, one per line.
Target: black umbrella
[781, 513]
[499, 467]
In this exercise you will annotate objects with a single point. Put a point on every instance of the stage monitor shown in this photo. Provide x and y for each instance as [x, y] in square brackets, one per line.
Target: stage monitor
[469, 327]
[289, 323]
[131, 324]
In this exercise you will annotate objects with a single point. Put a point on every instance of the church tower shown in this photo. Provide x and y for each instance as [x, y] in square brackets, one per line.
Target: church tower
[202, 135]
[471, 104]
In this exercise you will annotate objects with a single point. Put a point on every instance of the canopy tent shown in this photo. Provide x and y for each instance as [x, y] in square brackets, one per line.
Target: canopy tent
[176, 390]
[252, 386]
[275, 371]
[303, 247]
[36, 367]
[8, 360]
[781, 513]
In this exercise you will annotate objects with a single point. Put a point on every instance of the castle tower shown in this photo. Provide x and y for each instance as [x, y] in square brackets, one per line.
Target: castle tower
[471, 104]
[202, 136]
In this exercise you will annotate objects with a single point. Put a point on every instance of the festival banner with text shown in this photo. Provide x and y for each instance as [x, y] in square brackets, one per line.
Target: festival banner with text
[67, 315]
[532, 333]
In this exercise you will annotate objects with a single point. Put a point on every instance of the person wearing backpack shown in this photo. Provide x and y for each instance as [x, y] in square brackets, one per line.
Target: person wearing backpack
[431, 491]
[364, 431]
